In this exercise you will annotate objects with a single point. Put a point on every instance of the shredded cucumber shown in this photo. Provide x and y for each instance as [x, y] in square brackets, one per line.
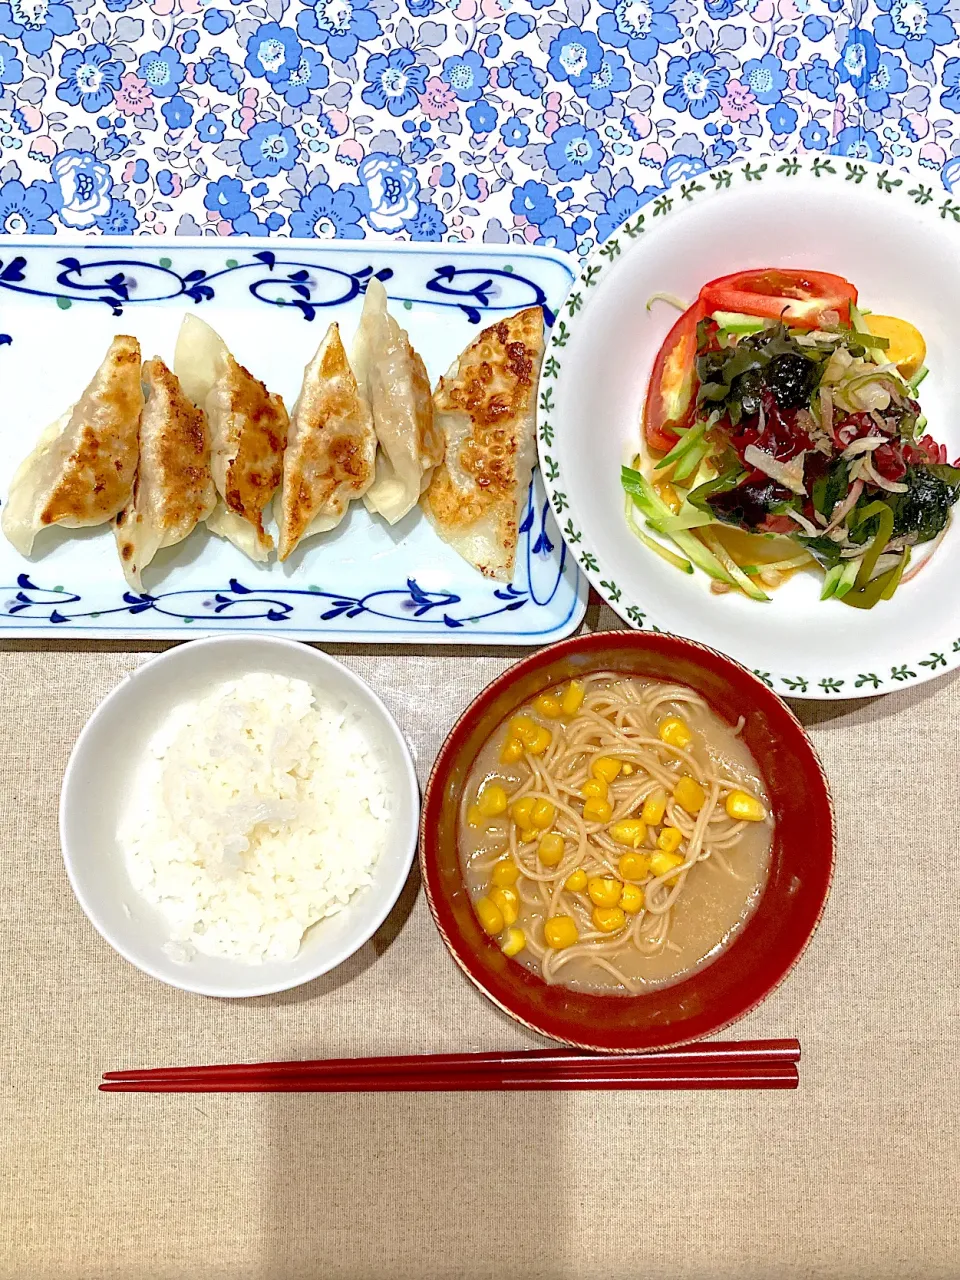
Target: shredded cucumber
[658, 514]
[918, 377]
[734, 571]
[737, 323]
[692, 436]
[847, 579]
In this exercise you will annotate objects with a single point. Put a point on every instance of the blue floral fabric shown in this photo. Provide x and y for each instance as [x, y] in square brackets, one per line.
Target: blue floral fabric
[506, 121]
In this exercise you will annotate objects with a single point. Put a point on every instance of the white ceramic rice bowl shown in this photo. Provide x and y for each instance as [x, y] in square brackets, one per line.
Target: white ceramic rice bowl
[101, 772]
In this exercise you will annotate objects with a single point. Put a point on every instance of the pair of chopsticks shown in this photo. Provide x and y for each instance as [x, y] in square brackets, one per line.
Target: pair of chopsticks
[745, 1064]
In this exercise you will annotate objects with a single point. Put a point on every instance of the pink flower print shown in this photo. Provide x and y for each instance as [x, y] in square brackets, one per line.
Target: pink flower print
[350, 151]
[531, 233]
[483, 190]
[763, 11]
[339, 121]
[438, 101]
[224, 228]
[32, 119]
[491, 9]
[738, 103]
[134, 96]
[640, 122]
[434, 178]
[654, 154]
[790, 11]
[42, 147]
[932, 156]
[128, 171]
[917, 122]
[160, 228]
[246, 117]
[466, 10]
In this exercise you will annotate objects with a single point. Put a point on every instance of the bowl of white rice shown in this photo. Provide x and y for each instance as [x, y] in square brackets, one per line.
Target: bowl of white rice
[239, 815]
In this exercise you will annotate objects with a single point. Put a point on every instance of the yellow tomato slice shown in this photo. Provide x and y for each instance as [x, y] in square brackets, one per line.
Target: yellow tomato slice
[907, 349]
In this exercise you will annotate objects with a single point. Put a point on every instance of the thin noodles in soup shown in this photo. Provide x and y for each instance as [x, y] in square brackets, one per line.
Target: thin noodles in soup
[615, 834]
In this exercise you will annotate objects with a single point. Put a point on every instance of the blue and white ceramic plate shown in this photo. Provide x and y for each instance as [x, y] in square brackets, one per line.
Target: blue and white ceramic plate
[62, 302]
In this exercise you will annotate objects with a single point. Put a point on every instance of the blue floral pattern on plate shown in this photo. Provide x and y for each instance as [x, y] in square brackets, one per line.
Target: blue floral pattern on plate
[361, 582]
[510, 122]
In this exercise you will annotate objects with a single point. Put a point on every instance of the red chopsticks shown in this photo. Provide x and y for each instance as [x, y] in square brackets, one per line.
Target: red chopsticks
[746, 1064]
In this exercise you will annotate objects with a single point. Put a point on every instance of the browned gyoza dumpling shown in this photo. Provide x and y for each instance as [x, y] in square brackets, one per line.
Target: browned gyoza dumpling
[392, 377]
[248, 434]
[174, 488]
[81, 471]
[485, 406]
[331, 447]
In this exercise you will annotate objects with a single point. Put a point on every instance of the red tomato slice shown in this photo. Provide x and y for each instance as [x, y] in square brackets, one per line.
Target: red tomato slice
[670, 391]
[771, 292]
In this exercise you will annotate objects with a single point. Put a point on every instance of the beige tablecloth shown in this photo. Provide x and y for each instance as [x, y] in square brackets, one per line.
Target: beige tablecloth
[855, 1175]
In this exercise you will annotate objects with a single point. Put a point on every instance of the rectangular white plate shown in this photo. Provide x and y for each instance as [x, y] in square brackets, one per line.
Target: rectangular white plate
[61, 302]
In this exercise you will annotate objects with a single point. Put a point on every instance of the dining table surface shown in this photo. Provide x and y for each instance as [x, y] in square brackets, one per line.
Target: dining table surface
[852, 1175]
[498, 122]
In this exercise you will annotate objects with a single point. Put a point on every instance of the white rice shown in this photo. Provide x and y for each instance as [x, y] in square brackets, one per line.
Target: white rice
[260, 810]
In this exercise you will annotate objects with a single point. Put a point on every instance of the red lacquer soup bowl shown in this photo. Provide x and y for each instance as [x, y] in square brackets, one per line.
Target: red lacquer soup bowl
[773, 939]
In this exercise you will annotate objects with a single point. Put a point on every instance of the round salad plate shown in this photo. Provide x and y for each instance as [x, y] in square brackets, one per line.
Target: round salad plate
[896, 236]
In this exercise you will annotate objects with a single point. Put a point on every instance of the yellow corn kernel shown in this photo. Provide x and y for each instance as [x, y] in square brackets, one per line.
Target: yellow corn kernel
[511, 751]
[634, 866]
[608, 919]
[631, 900]
[524, 728]
[744, 807]
[596, 787]
[560, 932]
[654, 807]
[521, 810]
[540, 742]
[572, 699]
[474, 816]
[527, 835]
[606, 767]
[514, 942]
[505, 873]
[597, 810]
[662, 864]
[543, 815]
[492, 800]
[675, 732]
[689, 794]
[669, 840]
[576, 881]
[550, 849]
[491, 921]
[627, 768]
[629, 831]
[604, 891]
[507, 903]
[548, 706]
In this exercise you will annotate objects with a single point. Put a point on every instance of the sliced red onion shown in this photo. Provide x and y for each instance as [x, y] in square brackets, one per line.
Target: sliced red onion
[804, 523]
[789, 474]
[826, 410]
[918, 565]
[843, 508]
[865, 444]
[873, 477]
